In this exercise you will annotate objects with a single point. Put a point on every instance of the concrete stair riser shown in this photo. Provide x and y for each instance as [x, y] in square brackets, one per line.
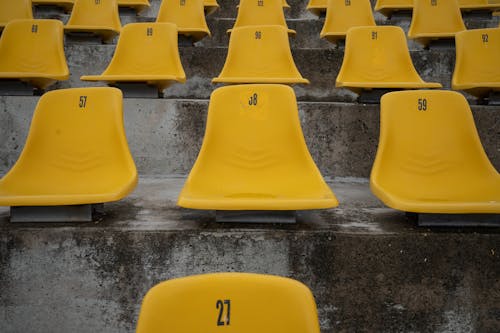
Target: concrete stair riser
[165, 135]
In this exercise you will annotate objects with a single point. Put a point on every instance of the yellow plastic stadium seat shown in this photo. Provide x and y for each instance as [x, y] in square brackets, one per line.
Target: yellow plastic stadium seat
[477, 67]
[66, 4]
[33, 51]
[378, 58]
[95, 16]
[76, 152]
[146, 52]
[317, 7]
[430, 158]
[344, 14]
[14, 10]
[388, 7]
[188, 15]
[260, 55]
[210, 6]
[238, 169]
[261, 12]
[435, 19]
[232, 302]
[137, 5]
[469, 5]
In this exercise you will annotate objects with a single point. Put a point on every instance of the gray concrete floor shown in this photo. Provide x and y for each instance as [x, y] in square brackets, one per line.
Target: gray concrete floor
[152, 207]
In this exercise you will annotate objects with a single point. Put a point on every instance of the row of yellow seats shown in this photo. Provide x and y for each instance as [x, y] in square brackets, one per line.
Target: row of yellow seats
[388, 7]
[22, 9]
[101, 17]
[429, 159]
[441, 20]
[148, 52]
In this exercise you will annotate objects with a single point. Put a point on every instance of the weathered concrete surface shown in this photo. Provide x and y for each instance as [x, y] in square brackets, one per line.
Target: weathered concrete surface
[165, 135]
[369, 268]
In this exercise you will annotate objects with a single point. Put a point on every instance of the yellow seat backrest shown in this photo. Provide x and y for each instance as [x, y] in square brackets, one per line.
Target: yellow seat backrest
[33, 48]
[229, 302]
[260, 12]
[377, 54]
[76, 152]
[344, 14]
[147, 49]
[188, 15]
[260, 55]
[477, 62]
[430, 158]
[435, 19]
[13, 10]
[95, 14]
[237, 169]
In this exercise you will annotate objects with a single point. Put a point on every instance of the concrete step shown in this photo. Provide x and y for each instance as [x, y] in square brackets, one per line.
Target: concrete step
[320, 66]
[369, 268]
[165, 135]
